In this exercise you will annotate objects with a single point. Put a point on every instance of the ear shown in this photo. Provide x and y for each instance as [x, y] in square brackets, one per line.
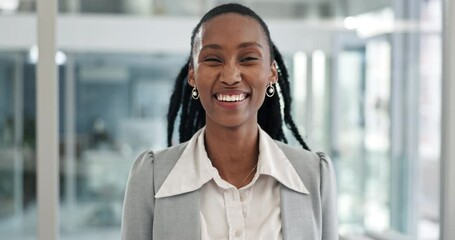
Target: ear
[274, 72]
[191, 78]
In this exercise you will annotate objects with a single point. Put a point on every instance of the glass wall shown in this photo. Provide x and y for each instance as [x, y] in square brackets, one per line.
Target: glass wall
[366, 87]
[18, 201]
[381, 91]
[17, 147]
[112, 109]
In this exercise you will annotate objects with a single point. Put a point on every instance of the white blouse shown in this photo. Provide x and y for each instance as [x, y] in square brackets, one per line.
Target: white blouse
[251, 212]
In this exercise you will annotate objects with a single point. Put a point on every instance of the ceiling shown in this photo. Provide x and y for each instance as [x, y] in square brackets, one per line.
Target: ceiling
[286, 9]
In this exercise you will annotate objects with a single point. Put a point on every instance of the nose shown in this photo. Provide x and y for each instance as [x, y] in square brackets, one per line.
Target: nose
[230, 74]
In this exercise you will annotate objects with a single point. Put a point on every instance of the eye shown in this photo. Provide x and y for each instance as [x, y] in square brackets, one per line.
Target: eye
[248, 59]
[212, 59]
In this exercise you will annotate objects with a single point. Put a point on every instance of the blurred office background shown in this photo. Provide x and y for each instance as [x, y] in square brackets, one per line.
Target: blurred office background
[366, 81]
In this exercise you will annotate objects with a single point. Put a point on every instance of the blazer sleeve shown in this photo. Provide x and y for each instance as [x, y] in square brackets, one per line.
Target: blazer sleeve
[328, 190]
[138, 204]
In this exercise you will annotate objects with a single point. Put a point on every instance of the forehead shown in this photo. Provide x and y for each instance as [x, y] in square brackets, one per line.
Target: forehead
[232, 28]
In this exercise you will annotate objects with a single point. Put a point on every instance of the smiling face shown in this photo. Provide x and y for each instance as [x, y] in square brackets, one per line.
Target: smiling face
[231, 68]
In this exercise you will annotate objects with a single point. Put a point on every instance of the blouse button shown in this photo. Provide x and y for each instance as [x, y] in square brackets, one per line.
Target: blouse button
[238, 233]
[242, 197]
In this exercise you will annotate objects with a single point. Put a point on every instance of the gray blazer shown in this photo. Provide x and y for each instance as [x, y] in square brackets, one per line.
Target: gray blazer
[304, 216]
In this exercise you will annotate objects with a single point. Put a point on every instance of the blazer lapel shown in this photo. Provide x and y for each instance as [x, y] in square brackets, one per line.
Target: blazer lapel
[296, 215]
[298, 210]
[177, 217]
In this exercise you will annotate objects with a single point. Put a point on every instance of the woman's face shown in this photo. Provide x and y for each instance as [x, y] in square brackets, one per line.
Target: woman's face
[231, 69]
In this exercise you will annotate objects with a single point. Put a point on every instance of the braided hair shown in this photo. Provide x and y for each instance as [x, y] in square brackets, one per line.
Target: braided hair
[270, 115]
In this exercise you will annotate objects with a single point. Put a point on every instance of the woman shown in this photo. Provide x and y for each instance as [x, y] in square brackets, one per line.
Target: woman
[231, 178]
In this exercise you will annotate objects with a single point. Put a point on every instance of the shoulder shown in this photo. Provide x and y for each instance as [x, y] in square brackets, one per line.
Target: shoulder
[299, 157]
[144, 165]
[170, 153]
[154, 166]
[311, 167]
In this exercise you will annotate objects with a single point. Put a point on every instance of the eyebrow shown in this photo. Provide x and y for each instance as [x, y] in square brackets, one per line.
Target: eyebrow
[241, 45]
[249, 44]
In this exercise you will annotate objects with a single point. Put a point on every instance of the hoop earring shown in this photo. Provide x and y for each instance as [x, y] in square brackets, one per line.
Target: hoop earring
[270, 90]
[195, 93]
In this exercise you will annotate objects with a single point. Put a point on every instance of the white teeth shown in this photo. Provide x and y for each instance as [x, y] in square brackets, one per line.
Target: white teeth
[230, 98]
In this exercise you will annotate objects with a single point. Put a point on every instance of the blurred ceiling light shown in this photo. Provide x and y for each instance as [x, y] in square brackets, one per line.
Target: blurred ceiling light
[350, 23]
[375, 23]
[33, 54]
[60, 57]
[9, 5]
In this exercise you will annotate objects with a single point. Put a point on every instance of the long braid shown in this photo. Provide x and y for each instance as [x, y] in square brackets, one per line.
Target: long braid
[175, 101]
[184, 123]
[270, 119]
[287, 99]
[194, 114]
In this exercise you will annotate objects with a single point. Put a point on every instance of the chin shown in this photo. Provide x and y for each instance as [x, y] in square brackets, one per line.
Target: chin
[233, 122]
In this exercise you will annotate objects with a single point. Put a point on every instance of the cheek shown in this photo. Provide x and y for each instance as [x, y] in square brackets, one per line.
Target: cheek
[261, 95]
[203, 78]
[258, 79]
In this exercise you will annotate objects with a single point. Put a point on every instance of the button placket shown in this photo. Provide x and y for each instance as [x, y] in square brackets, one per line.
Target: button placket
[234, 213]
[244, 196]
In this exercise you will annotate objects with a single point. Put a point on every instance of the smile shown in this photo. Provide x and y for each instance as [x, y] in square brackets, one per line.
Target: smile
[230, 98]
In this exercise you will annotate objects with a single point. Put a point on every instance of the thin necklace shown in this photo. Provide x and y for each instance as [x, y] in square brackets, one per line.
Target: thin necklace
[248, 174]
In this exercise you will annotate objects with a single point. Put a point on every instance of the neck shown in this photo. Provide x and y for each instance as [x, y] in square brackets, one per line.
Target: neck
[233, 151]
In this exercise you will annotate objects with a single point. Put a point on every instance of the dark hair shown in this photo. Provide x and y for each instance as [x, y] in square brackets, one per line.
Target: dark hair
[270, 116]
